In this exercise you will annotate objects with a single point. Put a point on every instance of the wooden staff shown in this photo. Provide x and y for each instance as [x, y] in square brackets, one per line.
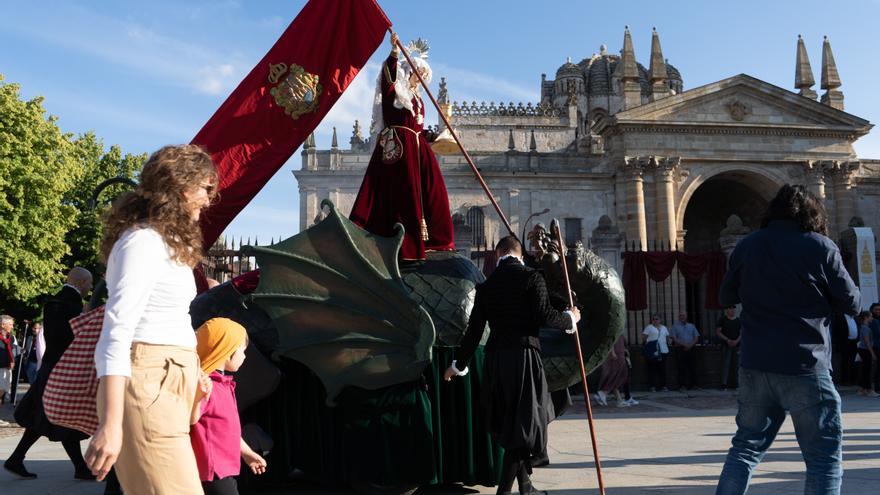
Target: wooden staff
[554, 225]
[455, 137]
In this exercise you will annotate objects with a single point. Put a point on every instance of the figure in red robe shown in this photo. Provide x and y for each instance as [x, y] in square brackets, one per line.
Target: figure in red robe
[403, 183]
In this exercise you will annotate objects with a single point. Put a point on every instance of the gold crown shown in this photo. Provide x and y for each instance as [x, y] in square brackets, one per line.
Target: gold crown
[276, 71]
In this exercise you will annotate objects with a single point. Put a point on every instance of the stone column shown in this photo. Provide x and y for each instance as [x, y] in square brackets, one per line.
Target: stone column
[815, 178]
[636, 226]
[664, 180]
[843, 175]
[308, 206]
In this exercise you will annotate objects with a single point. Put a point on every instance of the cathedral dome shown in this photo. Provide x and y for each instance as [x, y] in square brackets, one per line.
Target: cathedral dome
[672, 72]
[600, 68]
[569, 69]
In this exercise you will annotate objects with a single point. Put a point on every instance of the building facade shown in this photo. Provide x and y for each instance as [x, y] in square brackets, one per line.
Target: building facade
[630, 159]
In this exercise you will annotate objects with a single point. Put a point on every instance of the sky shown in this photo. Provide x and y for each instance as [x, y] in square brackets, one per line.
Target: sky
[144, 74]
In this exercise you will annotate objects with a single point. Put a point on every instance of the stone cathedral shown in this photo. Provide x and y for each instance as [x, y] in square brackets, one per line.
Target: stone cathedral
[625, 155]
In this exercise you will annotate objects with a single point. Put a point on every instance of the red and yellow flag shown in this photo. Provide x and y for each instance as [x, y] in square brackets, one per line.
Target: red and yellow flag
[283, 99]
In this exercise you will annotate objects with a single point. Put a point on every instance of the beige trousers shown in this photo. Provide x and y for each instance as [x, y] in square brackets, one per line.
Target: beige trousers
[157, 457]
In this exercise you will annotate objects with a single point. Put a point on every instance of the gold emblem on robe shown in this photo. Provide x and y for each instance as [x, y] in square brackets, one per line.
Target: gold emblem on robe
[295, 90]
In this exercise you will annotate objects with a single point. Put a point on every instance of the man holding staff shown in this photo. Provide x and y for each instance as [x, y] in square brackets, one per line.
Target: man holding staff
[514, 302]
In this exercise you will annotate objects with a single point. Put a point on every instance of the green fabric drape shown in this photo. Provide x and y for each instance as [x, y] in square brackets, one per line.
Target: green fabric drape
[416, 433]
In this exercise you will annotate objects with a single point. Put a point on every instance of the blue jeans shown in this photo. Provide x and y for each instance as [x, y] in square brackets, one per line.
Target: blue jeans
[814, 406]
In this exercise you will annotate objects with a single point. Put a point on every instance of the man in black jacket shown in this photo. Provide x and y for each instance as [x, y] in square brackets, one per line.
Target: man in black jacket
[57, 312]
[514, 302]
[790, 280]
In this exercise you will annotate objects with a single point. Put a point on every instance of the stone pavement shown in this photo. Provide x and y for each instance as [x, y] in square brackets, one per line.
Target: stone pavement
[671, 443]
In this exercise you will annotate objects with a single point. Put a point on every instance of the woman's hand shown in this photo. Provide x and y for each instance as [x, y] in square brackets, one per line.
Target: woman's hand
[394, 40]
[106, 443]
[103, 450]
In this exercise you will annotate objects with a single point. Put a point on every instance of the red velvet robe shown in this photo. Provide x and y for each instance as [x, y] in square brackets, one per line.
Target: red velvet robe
[409, 189]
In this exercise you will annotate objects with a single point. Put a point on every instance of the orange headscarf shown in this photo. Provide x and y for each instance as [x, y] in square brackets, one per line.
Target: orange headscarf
[217, 340]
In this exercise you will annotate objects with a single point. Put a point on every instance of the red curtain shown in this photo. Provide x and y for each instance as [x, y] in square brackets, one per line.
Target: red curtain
[635, 283]
[715, 270]
[658, 265]
[251, 135]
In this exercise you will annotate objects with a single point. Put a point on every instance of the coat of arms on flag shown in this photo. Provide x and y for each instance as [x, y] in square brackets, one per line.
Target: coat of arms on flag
[297, 92]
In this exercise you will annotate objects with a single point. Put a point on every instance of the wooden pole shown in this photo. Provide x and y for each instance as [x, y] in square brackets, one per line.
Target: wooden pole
[464, 152]
[554, 225]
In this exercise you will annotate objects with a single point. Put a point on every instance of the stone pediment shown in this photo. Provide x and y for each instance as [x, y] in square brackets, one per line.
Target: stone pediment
[741, 101]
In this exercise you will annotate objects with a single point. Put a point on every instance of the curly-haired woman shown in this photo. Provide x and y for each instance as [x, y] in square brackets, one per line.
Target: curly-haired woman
[146, 359]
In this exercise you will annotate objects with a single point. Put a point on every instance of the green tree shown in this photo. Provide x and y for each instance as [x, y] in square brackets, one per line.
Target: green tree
[47, 179]
[97, 166]
[37, 168]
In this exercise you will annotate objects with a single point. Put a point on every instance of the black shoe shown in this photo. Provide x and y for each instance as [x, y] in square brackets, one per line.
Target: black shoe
[84, 475]
[18, 468]
[528, 489]
[540, 460]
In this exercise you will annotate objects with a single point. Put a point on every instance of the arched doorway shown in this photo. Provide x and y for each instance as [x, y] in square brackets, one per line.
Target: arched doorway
[736, 192]
[741, 193]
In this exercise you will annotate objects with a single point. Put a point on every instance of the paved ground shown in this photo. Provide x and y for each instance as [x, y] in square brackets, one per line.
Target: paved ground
[671, 443]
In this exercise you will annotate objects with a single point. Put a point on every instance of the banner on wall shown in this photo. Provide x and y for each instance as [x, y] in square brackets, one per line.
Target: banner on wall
[867, 266]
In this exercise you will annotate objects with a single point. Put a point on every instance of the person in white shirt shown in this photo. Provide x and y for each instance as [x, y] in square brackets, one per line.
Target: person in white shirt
[145, 358]
[656, 331]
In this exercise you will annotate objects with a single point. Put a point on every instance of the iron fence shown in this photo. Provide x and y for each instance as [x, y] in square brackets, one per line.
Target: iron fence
[224, 260]
[668, 298]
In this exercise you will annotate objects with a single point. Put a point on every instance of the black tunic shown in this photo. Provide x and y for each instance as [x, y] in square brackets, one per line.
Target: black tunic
[57, 312]
[515, 303]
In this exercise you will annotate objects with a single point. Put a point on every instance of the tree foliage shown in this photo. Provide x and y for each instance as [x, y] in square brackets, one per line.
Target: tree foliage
[97, 166]
[46, 179]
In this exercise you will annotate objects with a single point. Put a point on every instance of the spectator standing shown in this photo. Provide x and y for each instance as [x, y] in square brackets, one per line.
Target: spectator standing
[7, 357]
[875, 339]
[684, 337]
[848, 366]
[36, 349]
[790, 279]
[729, 331]
[57, 312]
[656, 331]
[614, 375]
[867, 355]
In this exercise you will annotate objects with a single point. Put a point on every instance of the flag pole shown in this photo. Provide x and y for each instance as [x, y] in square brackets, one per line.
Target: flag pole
[464, 152]
[554, 226]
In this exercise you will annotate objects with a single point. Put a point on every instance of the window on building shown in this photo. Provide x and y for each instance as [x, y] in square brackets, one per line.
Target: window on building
[572, 231]
[476, 221]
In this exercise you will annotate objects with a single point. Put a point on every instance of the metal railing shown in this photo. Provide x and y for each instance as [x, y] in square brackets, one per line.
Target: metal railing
[670, 297]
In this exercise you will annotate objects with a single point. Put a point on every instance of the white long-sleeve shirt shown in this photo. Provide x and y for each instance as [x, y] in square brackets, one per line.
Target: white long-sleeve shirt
[149, 298]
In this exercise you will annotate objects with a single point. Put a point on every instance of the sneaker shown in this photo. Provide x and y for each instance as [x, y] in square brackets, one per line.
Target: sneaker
[600, 400]
[872, 394]
[664, 389]
[631, 402]
[623, 403]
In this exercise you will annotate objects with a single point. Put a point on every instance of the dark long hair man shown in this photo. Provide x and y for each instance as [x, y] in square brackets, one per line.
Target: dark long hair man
[789, 279]
[515, 303]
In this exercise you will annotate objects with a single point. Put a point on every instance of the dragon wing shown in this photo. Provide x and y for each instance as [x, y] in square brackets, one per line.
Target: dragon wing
[335, 294]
